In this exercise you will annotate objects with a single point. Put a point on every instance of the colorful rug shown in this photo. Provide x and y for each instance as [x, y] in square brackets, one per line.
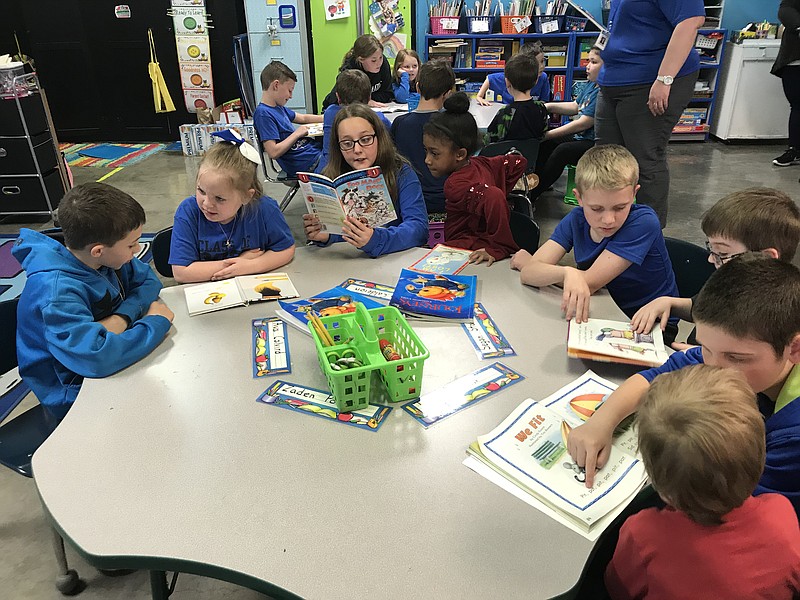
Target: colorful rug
[12, 277]
[107, 155]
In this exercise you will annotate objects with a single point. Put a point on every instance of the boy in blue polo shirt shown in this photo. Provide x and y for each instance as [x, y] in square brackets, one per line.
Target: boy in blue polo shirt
[617, 244]
[748, 319]
[496, 82]
[291, 147]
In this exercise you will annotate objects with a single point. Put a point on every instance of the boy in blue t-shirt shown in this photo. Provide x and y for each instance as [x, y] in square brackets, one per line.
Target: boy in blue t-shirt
[435, 81]
[291, 147]
[748, 319]
[496, 82]
[617, 244]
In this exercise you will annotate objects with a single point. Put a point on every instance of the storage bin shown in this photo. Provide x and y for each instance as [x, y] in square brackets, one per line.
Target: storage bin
[482, 24]
[357, 334]
[24, 194]
[548, 23]
[444, 25]
[508, 25]
[16, 157]
[435, 233]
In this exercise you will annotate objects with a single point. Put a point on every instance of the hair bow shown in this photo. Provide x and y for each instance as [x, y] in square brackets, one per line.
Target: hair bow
[232, 136]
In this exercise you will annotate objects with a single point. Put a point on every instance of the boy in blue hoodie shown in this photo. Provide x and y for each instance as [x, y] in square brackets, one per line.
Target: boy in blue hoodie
[89, 308]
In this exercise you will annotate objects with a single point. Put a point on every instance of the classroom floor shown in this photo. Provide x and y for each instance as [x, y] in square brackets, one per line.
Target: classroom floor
[701, 174]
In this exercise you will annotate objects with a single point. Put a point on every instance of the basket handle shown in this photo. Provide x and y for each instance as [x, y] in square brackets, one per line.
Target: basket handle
[367, 326]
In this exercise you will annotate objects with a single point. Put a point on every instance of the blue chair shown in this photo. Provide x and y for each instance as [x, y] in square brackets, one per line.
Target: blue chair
[690, 265]
[160, 249]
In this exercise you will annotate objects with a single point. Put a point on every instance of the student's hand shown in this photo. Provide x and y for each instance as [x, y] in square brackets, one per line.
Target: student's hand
[376, 104]
[646, 317]
[575, 301]
[680, 346]
[157, 307]
[482, 101]
[356, 233]
[479, 256]
[232, 267]
[520, 259]
[658, 100]
[589, 445]
[114, 323]
[301, 131]
[313, 229]
[251, 254]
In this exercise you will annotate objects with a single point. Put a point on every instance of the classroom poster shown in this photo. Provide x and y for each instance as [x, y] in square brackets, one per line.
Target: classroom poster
[336, 9]
[191, 24]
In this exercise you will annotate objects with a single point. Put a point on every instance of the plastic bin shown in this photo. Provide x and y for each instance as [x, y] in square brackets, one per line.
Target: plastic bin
[548, 23]
[508, 25]
[444, 25]
[435, 233]
[482, 24]
[357, 334]
[575, 23]
[569, 196]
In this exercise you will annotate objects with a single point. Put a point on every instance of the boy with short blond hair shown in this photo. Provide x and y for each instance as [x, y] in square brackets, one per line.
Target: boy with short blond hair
[701, 437]
[617, 244]
[762, 220]
[291, 147]
[90, 308]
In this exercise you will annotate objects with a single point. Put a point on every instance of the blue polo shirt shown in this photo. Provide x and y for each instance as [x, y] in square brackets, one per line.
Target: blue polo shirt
[497, 83]
[639, 240]
[275, 123]
[639, 33]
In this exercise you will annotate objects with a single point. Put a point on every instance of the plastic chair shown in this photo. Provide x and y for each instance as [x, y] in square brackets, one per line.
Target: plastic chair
[525, 231]
[22, 436]
[569, 195]
[160, 249]
[274, 174]
[690, 265]
[530, 150]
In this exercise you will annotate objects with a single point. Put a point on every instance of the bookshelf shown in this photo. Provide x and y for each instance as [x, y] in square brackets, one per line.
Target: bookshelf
[714, 9]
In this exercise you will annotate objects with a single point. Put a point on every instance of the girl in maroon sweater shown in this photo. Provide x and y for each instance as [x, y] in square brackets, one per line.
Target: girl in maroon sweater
[476, 187]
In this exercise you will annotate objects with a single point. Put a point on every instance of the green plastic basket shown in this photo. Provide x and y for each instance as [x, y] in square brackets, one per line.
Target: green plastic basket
[569, 197]
[357, 334]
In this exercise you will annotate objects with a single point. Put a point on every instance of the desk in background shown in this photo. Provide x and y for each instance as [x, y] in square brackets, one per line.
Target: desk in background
[483, 114]
[171, 464]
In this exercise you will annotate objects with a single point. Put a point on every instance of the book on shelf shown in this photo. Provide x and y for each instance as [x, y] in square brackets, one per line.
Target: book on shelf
[529, 450]
[490, 64]
[435, 297]
[613, 341]
[444, 260]
[558, 86]
[239, 291]
[335, 301]
[361, 194]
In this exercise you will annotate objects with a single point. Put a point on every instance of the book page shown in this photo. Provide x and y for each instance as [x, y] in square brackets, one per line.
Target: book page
[615, 339]
[364, 196]
[211, 296]
[266, 286]
[322, 200]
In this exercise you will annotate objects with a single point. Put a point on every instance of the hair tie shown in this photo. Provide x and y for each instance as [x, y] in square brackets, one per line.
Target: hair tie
[232, 136]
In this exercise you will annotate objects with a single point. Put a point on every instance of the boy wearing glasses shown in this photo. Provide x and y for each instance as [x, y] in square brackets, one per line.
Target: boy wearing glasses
[748, 319]
[753, 220]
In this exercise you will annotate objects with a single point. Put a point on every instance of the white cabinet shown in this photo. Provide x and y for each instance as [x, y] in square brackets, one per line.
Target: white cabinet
[752, 104]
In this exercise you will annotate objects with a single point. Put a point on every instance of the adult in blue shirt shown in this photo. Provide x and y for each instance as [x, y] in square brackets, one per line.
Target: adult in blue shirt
[646, 83]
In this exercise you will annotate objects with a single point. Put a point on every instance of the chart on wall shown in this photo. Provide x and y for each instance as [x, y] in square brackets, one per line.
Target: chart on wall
[191, 24]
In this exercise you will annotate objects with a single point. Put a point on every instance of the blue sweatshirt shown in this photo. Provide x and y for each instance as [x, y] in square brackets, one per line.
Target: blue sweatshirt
[59, 339]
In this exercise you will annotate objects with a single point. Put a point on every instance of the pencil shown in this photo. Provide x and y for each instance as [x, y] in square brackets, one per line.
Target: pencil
[326, 337]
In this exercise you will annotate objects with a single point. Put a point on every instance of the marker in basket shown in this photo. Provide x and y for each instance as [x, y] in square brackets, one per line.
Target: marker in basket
[388, 351]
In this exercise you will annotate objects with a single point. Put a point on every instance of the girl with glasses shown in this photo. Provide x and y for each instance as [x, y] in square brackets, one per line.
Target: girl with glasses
[359, 140]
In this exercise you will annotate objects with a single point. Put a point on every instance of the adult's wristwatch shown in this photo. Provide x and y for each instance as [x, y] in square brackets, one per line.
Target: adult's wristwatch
[665, 79]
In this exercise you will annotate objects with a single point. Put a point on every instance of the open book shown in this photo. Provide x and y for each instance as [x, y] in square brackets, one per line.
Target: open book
[216, 295]
[529, 449]
[613, 341]
[360, 194]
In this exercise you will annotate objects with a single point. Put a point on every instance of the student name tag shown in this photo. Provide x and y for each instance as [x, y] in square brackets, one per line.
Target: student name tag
[602, 39]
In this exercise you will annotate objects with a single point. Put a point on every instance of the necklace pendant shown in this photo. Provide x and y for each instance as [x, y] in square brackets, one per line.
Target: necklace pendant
[227, 244]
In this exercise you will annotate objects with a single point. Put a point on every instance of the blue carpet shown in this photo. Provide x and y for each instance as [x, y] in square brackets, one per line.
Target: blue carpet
[106, 152]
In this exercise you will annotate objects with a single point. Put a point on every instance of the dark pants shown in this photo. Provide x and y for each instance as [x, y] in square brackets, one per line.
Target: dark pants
[553, 156]
[790, 76]
[622, 117]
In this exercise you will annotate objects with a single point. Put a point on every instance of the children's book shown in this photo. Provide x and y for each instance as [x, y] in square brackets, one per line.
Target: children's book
[239, 291]
[379, 291]
[613, 341]
[360, 194]
[270, 347]
[485, 335]
[442, 260]
[461, 393]
[320, 403]
[529, 449]
[335, 301]
[436, 297]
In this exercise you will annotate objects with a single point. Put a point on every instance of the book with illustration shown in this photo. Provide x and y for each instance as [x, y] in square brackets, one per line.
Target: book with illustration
[379, 291]
[442, 260]
[239, 291]
[613, 341]
[361, 194]
[436, 297]
[529, 450]
[335, 301]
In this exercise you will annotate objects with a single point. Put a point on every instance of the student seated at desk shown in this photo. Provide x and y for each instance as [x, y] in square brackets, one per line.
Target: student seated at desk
[748, 319]
[90, 308]
[404, 75]
[291, 147]
[367, 55]
[229, 227]
[617, 244]
[496, 82]
[701, 437]
[435, 83]
[352, 85]
[359, 140]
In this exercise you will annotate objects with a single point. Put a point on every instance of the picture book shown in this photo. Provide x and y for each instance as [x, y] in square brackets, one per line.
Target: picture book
[335, 301]
[379, 291]
[360, 194]
[529, 449]
[613, 341]
[461, 393]
[442, 260]
[270, 347]
[239, 291]
[436, 297]
[485, 335]
[320, 403]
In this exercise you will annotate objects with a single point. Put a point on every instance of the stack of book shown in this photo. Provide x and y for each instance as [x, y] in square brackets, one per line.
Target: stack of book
[455, 51]
[489, 55]
[692, 120]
